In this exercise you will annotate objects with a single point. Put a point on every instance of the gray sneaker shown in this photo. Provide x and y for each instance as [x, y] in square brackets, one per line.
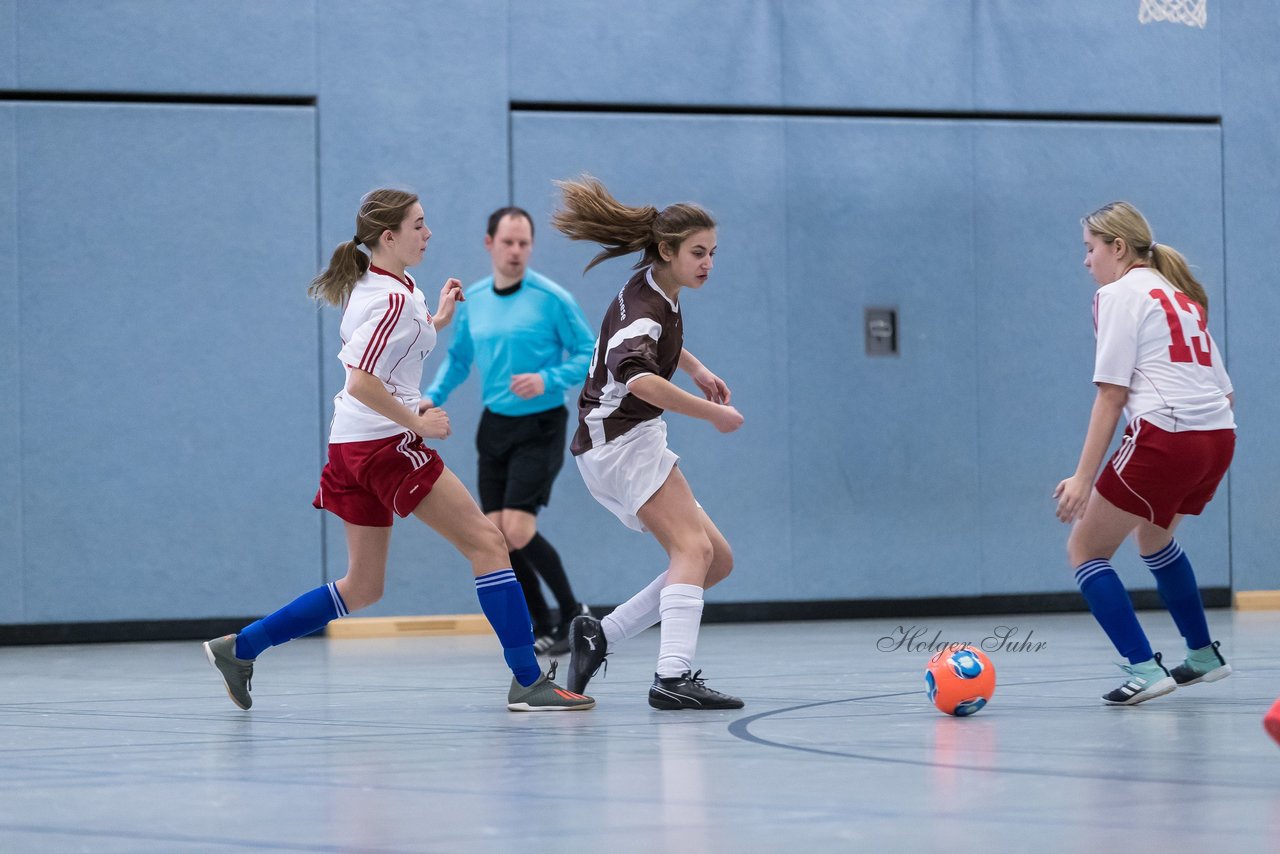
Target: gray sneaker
[237, 673]
[545, 696]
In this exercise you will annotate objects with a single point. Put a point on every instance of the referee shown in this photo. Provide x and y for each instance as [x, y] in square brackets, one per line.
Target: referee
[530, 341]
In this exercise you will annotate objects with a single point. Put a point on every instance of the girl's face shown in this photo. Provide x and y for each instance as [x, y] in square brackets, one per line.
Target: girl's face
[1106, 261]
[691, 265]
[408, 242]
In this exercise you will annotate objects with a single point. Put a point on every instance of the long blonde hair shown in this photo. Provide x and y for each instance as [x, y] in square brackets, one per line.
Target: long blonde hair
[590, 212]
[1123, 221]
[380, 210]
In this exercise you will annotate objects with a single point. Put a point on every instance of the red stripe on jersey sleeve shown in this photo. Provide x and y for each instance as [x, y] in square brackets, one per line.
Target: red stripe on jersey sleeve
[382, 334]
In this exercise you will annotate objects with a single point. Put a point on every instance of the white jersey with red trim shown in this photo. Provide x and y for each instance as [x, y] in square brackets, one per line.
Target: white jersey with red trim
[1153, 340]
[386, 331]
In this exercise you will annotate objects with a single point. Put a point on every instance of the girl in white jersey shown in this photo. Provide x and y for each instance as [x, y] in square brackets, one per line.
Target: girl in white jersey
[1156, 363]
[620, 445]
[378, 466]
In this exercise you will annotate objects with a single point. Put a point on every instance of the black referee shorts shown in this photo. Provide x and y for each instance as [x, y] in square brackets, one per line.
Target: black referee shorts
[520, 456]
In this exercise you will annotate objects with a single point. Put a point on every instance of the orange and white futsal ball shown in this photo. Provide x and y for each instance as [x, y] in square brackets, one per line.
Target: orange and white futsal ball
[960, 681]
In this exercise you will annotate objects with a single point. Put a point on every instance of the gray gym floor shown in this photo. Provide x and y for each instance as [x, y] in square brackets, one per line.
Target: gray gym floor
[406, 746]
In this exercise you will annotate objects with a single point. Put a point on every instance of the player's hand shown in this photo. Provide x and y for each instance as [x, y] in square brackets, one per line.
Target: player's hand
[424, 404]
[1073, 497]
[712, 387]
[434, 424]
[726, 419]
[450, 295]
[527, 386]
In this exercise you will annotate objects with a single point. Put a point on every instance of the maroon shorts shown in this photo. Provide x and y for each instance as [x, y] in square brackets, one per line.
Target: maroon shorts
[1157, 475]
[365, 482]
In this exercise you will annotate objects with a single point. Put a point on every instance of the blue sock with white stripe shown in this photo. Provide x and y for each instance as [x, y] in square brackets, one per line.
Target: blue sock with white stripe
[310, 612]
[1176, 581]
[1113, 609]
[502, 600]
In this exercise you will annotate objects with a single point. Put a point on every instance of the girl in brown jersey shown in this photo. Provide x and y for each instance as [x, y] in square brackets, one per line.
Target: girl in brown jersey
[620, 445]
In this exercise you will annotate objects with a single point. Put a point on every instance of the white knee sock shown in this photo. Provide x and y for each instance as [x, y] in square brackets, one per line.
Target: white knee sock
[681, 609]
[634, 615]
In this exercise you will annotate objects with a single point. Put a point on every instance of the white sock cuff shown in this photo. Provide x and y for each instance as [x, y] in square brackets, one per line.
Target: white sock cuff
[614, 632]
[684, 591]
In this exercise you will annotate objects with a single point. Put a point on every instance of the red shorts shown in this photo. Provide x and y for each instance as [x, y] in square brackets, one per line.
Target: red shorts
[365, 482]
[1156, 474]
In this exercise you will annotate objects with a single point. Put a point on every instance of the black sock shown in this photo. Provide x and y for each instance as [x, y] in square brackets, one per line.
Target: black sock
[542, 556]
[538, 610]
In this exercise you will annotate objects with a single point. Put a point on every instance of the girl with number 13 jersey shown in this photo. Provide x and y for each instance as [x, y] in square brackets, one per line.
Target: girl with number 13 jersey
[1156, 363]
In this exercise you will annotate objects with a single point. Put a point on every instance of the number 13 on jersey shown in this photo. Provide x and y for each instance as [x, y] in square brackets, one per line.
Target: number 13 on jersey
[1184, 347]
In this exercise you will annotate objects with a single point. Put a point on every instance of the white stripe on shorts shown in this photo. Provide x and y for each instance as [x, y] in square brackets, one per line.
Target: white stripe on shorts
[418, 458]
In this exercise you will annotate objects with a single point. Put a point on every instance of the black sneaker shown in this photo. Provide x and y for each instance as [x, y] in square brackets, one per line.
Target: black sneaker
[544, 642]
[559, 644]
[587, 651]
[688, 692]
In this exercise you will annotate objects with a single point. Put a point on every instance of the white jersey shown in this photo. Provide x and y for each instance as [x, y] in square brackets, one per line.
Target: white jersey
[386, 331]
[1153, 340]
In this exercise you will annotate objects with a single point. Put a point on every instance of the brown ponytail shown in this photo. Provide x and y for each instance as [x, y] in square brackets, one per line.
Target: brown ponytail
[590, 212]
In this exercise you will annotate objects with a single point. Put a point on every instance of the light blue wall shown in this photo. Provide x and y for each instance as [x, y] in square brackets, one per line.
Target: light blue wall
[178, 46]
[11, 533]
[187, 235]
[646, 53]
[861, 429]
[8, 44]
[167, 397]
[1093, 56]
[995, 55]
[1251, 165]
[853, 55]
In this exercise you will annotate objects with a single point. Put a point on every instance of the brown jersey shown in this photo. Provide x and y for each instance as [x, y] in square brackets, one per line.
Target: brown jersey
[641, 334]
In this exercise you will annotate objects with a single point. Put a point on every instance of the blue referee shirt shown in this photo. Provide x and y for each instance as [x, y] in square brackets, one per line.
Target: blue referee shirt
[539, 328]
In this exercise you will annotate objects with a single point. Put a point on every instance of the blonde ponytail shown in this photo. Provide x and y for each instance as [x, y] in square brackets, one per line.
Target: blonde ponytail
[1170, 264]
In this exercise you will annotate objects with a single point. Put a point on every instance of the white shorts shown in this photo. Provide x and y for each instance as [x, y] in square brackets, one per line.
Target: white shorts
[625, 473]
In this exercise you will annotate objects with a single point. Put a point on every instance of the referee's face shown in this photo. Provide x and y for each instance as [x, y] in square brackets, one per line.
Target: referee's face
[510, 246]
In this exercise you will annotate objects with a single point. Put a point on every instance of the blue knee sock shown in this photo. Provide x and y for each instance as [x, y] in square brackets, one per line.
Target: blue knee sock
[1176, 582]
[304, 615]
[502, 600]
[1112, 608]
